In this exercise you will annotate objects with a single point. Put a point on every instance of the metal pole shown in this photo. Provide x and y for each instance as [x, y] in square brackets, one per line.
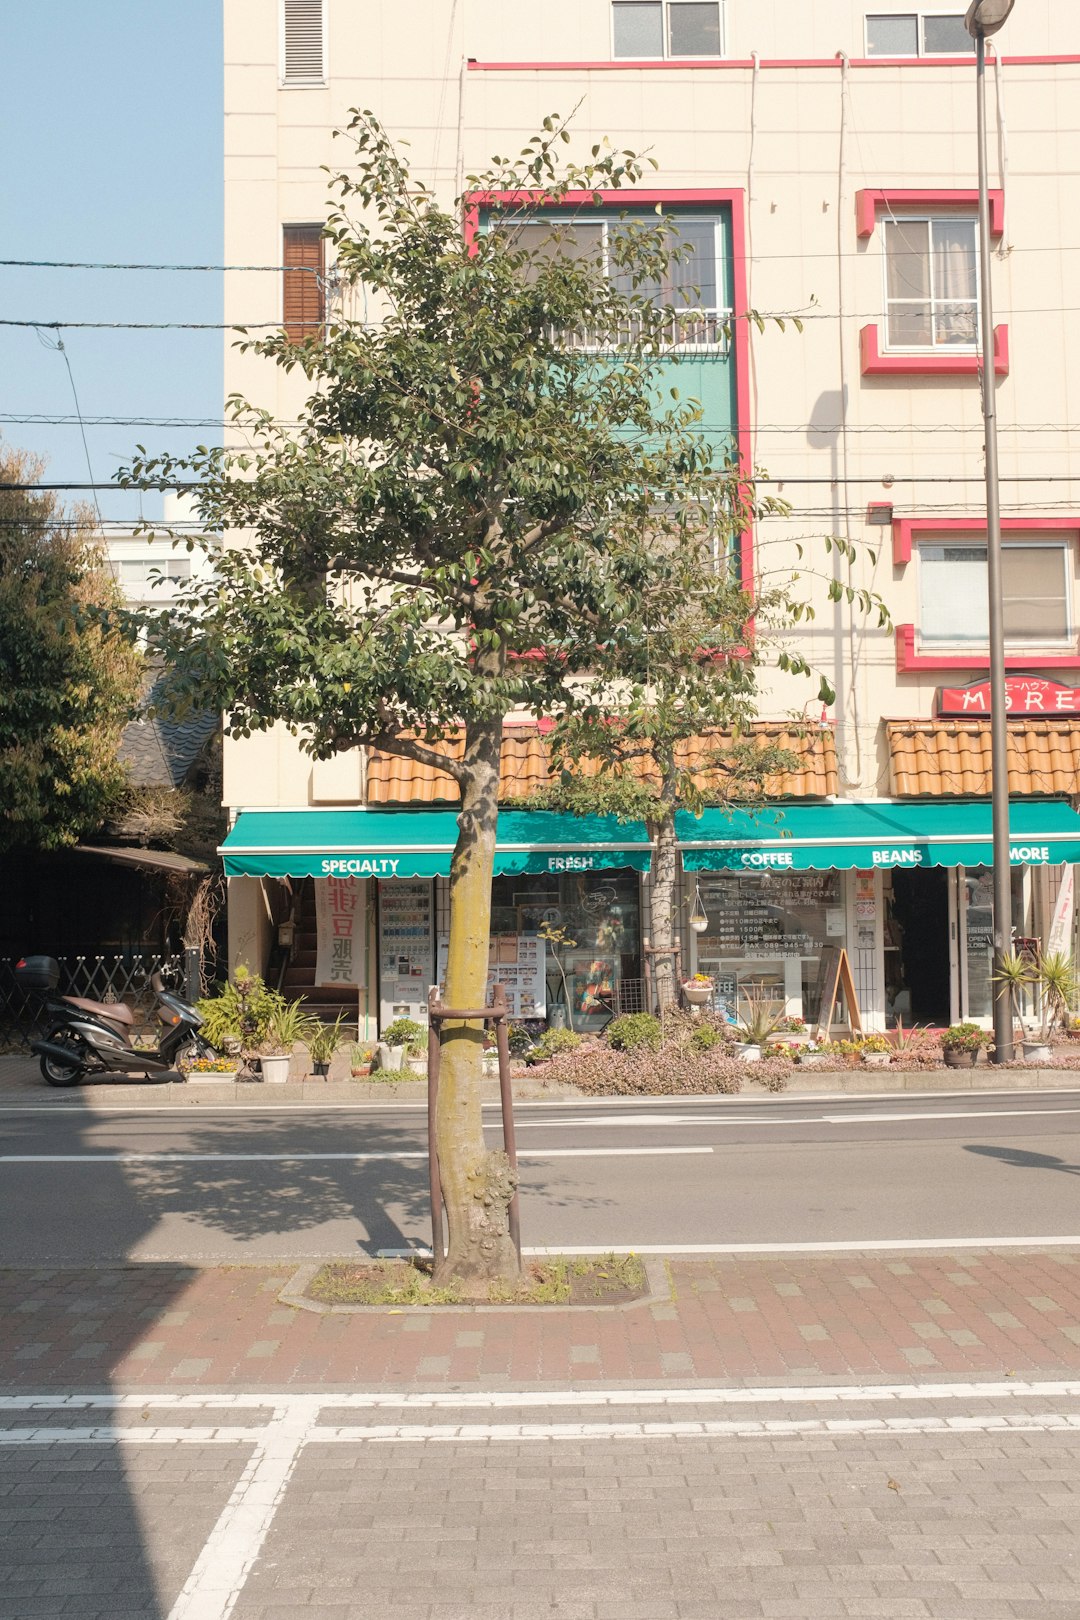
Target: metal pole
[500, 1006]
[434, 1054]
[999, 747]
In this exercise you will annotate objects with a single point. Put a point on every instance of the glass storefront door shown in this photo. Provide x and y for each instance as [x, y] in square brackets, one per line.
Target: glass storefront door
[974, 922]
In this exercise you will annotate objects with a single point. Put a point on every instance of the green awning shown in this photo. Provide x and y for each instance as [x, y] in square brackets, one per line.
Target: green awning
[419, 843]
[809, 837]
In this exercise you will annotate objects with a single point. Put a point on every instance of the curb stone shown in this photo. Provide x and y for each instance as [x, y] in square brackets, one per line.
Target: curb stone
[658, 1291]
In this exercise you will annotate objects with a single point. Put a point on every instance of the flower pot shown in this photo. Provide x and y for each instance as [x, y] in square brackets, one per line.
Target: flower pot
[1073, 1034]
[877, 1060]
[812, 1060]
[697, 995]
[1036, 1051]
[749, 1051]
[957, 1057]
[219, 1077]
[321, 1070]
[418, 1065]
[361, 1071]
[275, 1068]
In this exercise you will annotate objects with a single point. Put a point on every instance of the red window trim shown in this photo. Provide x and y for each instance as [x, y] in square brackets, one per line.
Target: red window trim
[930, 363]
[695, 196]
[870, 200]
[906, 531]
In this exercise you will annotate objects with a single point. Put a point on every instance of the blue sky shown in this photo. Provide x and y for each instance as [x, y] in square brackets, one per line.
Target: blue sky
[110, 128]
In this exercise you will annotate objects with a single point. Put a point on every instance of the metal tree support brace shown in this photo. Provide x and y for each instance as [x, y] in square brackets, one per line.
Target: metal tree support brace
[497, 1013]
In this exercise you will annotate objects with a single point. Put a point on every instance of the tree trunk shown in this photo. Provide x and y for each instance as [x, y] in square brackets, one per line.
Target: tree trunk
[664, 877]
[477, 1185]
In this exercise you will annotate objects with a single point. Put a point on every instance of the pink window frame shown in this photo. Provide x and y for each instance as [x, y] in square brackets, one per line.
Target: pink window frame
[874, 360]
[696, 197]
[907, 531]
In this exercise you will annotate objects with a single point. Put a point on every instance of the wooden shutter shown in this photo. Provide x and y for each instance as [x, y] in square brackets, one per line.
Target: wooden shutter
[304, 302]
[302, 42]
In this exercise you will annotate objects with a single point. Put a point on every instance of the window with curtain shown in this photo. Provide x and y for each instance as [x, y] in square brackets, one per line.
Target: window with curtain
[304, 276]
[1036, 590]
[931, 283]
[656, 28]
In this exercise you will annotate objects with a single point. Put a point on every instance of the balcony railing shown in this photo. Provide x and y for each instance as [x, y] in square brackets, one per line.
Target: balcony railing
[684, 331]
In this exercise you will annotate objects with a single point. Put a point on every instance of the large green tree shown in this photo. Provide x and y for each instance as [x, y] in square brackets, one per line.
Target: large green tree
[465, 515]
[68, 683]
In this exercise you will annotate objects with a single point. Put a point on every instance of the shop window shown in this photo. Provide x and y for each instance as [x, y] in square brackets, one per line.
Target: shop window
[1036, 588]
[692, 287]
[767, 931]
[650, 29]
[931, 283]
[595, 972]
[914, 33]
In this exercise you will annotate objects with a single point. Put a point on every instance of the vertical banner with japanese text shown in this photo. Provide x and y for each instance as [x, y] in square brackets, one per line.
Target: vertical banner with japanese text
[340, 921]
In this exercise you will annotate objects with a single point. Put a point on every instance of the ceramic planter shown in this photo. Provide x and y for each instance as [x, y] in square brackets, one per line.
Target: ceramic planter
[812, 1060]
[275, 1068]
[418, 1065]
[1036, 1051]
[956, 1057]
[697, 995]
[877, 1060]
[218, 1077]
[748, 1051]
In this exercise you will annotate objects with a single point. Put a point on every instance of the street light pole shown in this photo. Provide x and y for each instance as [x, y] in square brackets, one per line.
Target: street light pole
[986, 17]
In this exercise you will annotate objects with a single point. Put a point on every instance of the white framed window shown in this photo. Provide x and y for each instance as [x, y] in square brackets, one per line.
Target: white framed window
[917, 33]
[1037, 590]
[650, 29]
[931, 283]
[302, 43]
[693, 288]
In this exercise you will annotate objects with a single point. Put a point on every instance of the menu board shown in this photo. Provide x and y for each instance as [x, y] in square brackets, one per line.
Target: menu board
[519, 962]
[781, 915]
[405, 954]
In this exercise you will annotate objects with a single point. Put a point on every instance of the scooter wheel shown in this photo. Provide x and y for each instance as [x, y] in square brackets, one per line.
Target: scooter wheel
[61, 1074]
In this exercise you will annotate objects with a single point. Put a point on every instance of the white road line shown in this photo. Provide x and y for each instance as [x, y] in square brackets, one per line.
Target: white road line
[838, 1246]
[109, 1433]
[309, 1406]
[350, 1158]
[748, 1429]
[214, 1585]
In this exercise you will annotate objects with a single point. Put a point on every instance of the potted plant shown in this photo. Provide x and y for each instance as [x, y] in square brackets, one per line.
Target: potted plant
[288, 1024]
[876, 1051]
[1054, 976]
[760, 1018]
[408, 1037]
[698, 990]
[211, 1071]
[792, 1032]
[360, 1060]
[961, 1045]
[322, 1042]
[1072, 1029]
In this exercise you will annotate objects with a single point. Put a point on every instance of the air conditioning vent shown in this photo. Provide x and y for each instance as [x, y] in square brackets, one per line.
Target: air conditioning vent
[303, 53]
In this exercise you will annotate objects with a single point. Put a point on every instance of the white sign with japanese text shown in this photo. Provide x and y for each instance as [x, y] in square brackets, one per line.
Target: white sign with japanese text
[340, 921]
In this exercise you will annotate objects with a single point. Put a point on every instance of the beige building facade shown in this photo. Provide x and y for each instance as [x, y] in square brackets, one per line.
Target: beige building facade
[832, 145]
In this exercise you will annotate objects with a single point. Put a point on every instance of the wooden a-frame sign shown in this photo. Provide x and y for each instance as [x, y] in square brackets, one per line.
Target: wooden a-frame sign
[835, 979]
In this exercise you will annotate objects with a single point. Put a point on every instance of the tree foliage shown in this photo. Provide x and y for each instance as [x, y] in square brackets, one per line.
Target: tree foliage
[489, 493]
[68, 683]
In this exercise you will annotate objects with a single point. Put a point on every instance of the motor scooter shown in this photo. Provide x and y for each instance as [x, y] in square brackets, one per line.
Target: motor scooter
[94, 1037]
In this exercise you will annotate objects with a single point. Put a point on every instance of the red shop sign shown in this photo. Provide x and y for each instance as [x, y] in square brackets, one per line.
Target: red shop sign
[1024, 695]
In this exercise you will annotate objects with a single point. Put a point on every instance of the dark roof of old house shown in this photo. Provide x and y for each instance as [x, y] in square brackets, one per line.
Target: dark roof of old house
[159, 752]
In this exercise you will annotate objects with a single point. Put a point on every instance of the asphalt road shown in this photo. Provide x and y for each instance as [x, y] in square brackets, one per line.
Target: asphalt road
[186, 1184]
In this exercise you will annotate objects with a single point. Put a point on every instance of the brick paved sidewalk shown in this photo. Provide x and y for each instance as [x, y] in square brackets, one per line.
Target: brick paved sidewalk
[960, 1315]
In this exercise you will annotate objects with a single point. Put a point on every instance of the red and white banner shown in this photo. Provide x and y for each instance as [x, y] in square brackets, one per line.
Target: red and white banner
[1024, 695]
[341, 933]
[1060, 935]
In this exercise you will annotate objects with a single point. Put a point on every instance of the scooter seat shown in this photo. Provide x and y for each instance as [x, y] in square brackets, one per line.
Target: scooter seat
[114, 1011]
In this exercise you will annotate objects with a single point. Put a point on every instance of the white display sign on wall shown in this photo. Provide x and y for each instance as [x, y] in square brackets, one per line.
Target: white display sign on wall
[340, 918]
[405, 950]
[519, 961]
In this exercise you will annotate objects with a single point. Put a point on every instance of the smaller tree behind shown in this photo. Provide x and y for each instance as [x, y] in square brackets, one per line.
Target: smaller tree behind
[68, 684]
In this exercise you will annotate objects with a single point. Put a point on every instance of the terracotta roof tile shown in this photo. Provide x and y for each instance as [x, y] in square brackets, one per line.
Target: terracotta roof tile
[950, 758]
[525, 767]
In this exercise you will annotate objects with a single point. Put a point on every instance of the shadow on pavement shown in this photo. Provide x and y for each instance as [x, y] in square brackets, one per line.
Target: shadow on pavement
[97, 1530]
[1022, 1158]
